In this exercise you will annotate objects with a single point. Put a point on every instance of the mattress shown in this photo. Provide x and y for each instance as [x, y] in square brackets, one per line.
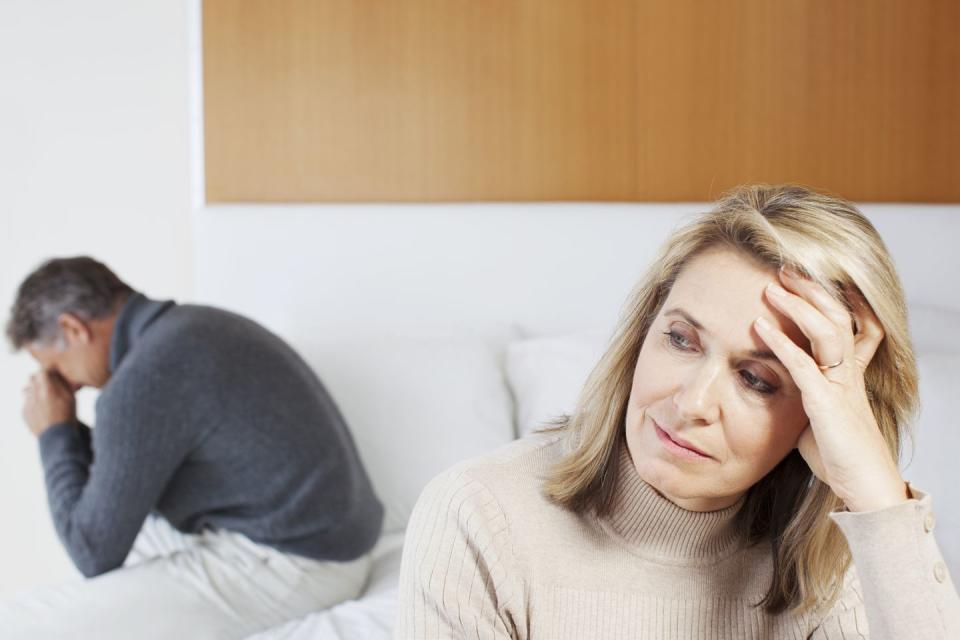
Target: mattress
[369, 617]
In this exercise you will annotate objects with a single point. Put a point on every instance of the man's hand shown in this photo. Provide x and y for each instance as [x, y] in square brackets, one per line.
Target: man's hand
[48, 400]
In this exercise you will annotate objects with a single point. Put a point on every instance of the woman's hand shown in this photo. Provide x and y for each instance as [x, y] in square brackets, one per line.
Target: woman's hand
[842, 442]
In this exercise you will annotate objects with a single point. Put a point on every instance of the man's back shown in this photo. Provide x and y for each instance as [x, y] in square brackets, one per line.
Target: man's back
[214, 422]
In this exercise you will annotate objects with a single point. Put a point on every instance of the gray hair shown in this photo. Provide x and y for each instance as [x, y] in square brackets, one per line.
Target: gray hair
[80, 286]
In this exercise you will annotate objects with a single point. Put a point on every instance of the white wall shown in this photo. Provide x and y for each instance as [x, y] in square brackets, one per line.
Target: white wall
[94, 159]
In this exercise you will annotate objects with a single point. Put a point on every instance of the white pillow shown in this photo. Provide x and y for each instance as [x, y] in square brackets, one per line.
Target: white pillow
[546, 375]
[934, 329]
[415, 407]
[931, 465]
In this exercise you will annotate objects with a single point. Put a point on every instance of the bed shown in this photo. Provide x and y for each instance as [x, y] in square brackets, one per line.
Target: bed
[444, 331]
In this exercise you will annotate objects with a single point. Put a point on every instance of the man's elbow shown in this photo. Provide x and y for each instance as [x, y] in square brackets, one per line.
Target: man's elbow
[92, 552]
[92, 566]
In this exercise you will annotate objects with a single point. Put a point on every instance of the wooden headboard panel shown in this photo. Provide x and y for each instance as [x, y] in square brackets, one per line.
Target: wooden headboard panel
[622, 100]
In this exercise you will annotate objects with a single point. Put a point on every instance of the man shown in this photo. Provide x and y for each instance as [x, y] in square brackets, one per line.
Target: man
[206, 422]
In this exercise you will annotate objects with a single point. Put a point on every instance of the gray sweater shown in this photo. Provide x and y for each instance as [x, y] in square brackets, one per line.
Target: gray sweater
[211, 421]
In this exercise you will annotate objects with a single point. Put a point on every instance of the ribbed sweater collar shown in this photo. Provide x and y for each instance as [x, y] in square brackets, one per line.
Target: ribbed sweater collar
[135, 316]
[653, 526]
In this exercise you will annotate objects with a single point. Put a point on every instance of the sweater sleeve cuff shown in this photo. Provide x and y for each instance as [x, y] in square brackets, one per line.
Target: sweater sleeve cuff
[900, 530]
[865, 528]
[65, 440]
[896, 556]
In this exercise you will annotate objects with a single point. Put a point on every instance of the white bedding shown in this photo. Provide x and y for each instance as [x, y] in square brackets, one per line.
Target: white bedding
[370, 617]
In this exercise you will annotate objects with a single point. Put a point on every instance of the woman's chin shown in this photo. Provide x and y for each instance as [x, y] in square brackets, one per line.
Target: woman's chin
[661, 475]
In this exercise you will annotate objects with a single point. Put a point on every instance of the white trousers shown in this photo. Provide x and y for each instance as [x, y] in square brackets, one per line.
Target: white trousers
[214, 585]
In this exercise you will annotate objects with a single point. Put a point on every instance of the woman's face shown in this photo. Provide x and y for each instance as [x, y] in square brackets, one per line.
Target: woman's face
[704, 376]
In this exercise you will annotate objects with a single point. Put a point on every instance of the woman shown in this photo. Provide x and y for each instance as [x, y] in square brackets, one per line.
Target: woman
[730, 469]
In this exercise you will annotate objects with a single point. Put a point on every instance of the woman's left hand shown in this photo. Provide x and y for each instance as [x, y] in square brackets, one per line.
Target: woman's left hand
[842, 442]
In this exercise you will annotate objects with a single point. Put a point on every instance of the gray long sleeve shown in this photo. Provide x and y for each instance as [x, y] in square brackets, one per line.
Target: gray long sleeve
[213, 422]
[99, 502]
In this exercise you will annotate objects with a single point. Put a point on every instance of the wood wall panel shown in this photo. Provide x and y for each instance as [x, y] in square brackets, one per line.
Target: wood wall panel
[646, 100]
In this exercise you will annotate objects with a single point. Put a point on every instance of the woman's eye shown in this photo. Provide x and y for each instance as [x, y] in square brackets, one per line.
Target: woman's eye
[756, 383]
[679, 341]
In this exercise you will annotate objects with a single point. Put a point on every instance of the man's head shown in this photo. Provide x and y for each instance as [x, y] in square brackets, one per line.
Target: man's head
[63, 315]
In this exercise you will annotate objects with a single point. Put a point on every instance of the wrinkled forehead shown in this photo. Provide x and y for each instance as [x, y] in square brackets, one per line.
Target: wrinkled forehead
[724, 291]
[722, 275]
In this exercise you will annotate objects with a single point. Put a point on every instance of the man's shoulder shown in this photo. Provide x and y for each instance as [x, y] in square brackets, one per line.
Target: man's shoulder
[174, 347]
[194, 333]
[184, 319]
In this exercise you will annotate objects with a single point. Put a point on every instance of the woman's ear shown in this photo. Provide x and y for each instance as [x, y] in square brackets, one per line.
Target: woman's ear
[868, 332]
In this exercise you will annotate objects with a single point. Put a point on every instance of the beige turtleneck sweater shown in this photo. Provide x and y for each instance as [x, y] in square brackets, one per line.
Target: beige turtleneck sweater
[487, 556]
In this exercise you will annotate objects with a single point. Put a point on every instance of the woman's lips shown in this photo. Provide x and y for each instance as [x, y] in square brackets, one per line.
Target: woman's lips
[680, 448]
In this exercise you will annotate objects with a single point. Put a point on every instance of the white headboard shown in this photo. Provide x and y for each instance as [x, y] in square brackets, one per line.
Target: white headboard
[322, 270]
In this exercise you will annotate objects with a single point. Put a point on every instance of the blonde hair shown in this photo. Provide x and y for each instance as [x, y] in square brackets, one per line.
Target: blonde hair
[826, 239]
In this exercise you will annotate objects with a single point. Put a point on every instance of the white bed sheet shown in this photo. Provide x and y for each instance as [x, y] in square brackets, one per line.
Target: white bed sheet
[369, 617]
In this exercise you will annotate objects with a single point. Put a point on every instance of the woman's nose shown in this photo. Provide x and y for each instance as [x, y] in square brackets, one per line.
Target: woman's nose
[698, 399]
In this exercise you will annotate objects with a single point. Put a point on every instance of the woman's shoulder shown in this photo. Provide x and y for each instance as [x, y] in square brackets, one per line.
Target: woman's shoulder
[464, 556]
[535, 450]
[505, 480]
[530, 457]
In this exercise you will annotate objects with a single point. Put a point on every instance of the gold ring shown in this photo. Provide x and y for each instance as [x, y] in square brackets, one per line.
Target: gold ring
[824, 367]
